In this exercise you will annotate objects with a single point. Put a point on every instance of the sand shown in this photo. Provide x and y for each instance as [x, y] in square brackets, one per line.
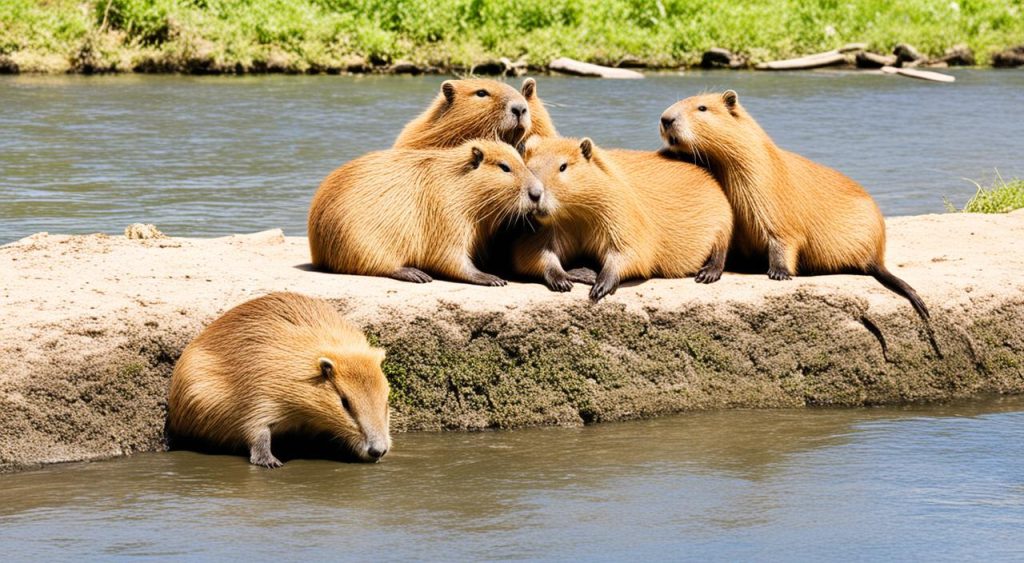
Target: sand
[92, 326]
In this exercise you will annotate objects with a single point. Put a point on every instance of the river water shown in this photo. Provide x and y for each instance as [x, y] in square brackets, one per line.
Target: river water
[926, 483]
[200, 156]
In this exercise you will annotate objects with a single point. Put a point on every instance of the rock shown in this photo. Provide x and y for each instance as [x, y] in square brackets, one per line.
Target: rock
[108, 317]
[578, 68]
[1011, 57]
[716, 57]
[405, 67]
[140, 231]
[907, 55]
[957, 55]
[8, 65]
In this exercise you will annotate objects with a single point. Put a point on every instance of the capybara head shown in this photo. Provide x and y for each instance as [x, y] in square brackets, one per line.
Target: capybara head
[471, 109]
[707, 125]
[348, 398]
[570, 169]
[510, 190]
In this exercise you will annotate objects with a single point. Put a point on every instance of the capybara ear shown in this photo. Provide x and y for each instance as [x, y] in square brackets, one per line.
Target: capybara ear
[448, 89]
[587, 148]
[478, 157]
[532, 142]
[730, 98]
[326, 368]
[529, 88]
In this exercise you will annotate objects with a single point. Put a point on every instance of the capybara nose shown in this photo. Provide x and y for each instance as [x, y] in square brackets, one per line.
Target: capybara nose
[375, 453]
[667, 122]
[535, 193]
[518, 110]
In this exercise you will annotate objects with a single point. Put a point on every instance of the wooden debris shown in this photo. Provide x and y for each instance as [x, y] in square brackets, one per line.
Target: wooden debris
[819, 60]
[578, 68]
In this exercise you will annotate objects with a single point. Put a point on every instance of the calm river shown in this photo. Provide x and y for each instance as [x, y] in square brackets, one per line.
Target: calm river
[219, 155]
[935, 483]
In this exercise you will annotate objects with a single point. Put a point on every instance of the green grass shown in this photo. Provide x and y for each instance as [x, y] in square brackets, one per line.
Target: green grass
[1000, 197]
[303, 35]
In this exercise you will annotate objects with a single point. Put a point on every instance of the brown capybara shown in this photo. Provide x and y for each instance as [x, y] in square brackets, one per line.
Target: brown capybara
[805, 217]
[614, 210]
[401, 213]
[277, 364]
[469, 109]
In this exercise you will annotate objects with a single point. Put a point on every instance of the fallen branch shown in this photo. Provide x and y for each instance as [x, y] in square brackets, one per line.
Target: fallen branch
[921, 74]
[578, 68]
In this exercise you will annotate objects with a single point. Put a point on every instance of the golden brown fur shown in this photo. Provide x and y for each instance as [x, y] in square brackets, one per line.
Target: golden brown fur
[468, 109]
[397, 212]
[633, 212]
[805, 217]
[281, 363]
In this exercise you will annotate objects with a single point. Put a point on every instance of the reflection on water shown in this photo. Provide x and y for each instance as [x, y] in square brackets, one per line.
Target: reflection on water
[220, 155]
[934, 482]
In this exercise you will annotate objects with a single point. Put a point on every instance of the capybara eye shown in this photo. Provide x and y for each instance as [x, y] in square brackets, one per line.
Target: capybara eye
[481, 93]
[702, 108]
[563, 167]
[504, 167]
[345, 405]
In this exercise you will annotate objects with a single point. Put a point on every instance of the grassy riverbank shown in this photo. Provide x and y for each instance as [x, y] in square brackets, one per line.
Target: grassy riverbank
[339, 35]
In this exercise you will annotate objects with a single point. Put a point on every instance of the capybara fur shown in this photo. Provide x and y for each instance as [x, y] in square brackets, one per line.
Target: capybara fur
[402, 213]
[631, 212]
[469, 109]
[801, 215]
[282, 363]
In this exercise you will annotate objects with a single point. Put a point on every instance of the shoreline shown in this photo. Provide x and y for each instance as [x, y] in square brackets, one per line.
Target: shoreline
[94, 324]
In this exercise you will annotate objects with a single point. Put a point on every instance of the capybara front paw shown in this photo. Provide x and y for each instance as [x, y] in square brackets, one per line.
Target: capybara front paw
[488, 279]
[560, 284]
[414, 275]
[602, 288]
[582, 275]
[708, 274]
[779, 274]
[268, 461]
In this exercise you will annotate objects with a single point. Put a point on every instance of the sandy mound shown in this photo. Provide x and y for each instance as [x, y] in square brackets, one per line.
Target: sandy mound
[93, 325]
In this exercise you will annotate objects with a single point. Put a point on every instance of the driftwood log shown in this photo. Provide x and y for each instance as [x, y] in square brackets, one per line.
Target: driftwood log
[818, 60]
[921, 74]
[578, 68]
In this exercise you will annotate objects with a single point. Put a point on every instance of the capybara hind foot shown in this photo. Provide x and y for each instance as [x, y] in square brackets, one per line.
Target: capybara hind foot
[259, 451]
[413, 275]
[779, 274]
[582, 275]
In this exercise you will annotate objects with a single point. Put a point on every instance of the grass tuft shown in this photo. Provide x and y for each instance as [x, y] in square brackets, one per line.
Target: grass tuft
[1000, 197]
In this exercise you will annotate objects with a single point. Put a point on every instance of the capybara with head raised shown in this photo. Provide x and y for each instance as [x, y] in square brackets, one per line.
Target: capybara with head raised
[615, 209]
[401, 213]
[469, 109]
[278, 364]
[801, 215]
